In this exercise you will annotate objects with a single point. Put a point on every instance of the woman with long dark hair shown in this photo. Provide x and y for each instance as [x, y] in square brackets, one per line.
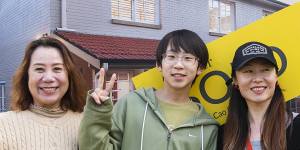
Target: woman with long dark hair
[257, 115]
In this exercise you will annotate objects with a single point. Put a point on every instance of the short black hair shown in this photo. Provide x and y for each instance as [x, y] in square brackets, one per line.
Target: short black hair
[187, 40]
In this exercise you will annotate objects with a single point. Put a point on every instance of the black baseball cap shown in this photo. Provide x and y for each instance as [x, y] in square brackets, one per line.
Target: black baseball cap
[250, 51]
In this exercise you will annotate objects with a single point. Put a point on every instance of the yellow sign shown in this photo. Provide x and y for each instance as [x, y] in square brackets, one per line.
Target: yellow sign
[281, 30]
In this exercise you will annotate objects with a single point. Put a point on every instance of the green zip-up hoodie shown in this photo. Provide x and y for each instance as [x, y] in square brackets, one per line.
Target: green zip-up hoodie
[136, 123]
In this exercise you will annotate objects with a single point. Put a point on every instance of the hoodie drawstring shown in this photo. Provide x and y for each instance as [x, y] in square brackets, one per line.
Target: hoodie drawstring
[145, 114]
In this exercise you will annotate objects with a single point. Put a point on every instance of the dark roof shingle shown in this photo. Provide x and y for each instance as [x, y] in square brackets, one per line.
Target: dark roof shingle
[112, 47]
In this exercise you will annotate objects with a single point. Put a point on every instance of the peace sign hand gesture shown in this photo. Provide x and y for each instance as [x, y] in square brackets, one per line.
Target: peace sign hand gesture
[100, 94]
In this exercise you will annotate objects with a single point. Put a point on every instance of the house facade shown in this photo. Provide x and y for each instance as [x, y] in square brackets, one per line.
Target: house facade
[119, 35]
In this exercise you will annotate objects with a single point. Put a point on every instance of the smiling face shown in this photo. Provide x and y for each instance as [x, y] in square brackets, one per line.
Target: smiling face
[48, 79]
[257, 81]
[177, 69]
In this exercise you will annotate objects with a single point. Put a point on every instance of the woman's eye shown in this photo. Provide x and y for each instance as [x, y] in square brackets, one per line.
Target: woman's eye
[247, 71]
[39, 70]
[58, 69]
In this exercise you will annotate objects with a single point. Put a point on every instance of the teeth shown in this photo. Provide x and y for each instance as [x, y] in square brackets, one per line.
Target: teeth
[258, 88]
[49, 89]
[178, 75]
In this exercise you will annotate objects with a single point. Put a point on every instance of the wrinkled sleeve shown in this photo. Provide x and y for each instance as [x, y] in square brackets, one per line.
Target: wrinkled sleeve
[97, 130]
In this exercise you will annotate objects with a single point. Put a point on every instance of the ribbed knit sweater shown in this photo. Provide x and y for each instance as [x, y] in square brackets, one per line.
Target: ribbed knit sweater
[26, 130]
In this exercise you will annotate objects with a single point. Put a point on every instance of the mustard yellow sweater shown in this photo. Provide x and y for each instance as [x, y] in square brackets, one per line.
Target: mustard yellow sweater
[26, 130]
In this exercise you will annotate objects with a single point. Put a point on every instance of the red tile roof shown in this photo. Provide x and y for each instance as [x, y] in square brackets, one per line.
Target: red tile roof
[112, 47]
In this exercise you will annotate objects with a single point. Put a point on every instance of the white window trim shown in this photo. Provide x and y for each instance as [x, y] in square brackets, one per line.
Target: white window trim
[137, 24]
[232, 11]
[134, 22]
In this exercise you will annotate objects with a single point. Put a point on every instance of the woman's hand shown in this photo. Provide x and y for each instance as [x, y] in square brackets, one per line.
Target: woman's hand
[100, 94]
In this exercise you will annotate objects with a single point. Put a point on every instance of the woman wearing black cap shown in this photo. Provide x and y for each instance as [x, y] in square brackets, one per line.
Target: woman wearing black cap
[257, 115]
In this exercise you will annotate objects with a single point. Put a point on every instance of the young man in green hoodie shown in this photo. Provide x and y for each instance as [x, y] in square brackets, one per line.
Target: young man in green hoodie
[149, 119]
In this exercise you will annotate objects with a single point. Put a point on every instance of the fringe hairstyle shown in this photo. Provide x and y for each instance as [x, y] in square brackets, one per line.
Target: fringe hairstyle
[74, 98]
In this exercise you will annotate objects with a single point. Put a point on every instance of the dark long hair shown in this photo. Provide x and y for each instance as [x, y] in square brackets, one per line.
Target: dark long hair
[74, 98]
[237, 127]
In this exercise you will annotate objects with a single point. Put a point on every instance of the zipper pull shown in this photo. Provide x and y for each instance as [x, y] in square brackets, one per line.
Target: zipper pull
[168, 138]
[169, 135]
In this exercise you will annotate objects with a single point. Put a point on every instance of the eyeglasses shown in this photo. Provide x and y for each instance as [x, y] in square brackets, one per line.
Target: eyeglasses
[186, 59]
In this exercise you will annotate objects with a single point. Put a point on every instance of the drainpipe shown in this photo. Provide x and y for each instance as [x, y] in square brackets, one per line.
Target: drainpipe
[63, 14]
[64, 17]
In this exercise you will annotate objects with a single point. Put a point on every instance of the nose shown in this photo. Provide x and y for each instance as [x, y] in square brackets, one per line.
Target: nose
[257, 78]
[179, 63]
[48, 77]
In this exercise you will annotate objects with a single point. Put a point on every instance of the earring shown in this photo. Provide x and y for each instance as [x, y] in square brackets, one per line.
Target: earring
[235, 86]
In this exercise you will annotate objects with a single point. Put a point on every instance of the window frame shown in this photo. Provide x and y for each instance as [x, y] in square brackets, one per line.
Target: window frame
[294, 104]
[117, 92]
[233, 17]
[2, 96]
[134, 21]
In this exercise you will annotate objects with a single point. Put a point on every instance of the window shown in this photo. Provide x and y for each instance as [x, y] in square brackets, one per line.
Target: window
[142, 11]
[121, 87]
[221, 16]
[2, 96]
[294, 104]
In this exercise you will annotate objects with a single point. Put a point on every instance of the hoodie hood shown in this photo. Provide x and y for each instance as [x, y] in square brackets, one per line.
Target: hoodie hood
[201, 118]
[136, 123]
